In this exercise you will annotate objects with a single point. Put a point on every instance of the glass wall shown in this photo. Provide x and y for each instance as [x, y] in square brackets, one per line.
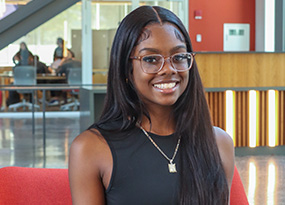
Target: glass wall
[42, 40]
[105, 20]
[106, 17]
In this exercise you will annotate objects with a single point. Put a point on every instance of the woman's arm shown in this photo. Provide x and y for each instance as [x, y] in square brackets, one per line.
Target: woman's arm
[226, 150]
[90, 166]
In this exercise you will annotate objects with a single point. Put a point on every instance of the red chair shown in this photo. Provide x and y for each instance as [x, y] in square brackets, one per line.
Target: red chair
[33, 186]
[238, 196]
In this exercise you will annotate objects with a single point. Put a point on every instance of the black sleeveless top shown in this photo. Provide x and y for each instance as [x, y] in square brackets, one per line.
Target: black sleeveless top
[140, 172]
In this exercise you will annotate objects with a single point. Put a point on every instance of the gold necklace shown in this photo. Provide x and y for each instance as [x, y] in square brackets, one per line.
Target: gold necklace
[171, 165]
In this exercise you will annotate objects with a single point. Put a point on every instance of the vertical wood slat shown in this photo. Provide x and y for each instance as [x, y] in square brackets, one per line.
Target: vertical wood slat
[263, 118]
[246, 118]
[221, 105]
[242, 107]
[216, 103]
[281, 117]
[237, 121]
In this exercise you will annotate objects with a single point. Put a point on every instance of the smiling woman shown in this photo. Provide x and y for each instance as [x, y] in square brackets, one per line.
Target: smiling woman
[158, 81]
[154, 142]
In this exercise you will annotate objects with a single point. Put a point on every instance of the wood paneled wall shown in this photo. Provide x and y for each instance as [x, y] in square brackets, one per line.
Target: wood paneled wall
[217, 106]
[219, 70]
[244, 71]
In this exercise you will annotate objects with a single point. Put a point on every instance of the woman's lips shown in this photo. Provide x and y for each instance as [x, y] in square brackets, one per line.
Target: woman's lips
[165, 85]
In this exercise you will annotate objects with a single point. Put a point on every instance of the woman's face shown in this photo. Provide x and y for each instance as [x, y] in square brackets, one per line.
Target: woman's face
[23, 46]
[166, 86]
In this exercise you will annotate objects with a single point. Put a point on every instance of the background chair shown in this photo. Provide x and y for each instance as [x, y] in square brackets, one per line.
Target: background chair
[24, 75]
[33, 186]
[73, 78]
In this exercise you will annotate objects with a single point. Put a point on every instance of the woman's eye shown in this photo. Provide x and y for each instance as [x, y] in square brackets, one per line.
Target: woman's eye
[151, 59]
[180, 57]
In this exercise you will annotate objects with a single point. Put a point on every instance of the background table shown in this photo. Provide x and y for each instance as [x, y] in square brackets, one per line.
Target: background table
[42, 79]
[42, 88]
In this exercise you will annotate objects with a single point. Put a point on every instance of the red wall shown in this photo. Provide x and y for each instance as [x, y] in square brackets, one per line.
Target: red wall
[214, 14]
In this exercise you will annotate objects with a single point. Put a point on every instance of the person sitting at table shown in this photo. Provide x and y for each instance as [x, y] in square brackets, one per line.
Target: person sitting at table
[41, 67]
[63, 70]
[54, 65]
[14, 96]
[66, 63]
[54, 68]
[69, 62]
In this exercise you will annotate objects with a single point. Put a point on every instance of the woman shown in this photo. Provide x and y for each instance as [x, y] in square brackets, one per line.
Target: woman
[23, 56]
[154, 142]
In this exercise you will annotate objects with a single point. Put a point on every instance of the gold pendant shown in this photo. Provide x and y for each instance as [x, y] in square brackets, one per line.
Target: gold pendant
[172, 168]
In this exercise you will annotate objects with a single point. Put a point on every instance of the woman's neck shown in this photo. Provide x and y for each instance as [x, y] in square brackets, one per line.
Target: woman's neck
[162, 122]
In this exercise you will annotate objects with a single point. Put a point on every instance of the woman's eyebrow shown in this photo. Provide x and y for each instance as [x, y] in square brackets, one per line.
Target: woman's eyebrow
[149, 49]
[178, 47]
[157, 51]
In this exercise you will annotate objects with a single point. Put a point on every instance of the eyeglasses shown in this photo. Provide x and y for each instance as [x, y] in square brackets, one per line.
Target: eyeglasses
[153, 63]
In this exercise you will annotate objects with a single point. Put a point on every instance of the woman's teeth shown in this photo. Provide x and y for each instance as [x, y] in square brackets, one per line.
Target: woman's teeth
[165, 85]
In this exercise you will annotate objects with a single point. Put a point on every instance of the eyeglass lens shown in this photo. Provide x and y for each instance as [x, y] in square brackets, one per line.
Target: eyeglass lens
[153, 63]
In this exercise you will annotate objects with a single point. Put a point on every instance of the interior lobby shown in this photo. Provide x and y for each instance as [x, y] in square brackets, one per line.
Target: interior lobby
[244, 86]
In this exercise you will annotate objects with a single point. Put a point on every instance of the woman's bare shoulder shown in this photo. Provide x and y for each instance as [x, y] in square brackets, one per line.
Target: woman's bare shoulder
[223, 138]
[90, 167]
[90, 144]
[226, 150]
[89, 138]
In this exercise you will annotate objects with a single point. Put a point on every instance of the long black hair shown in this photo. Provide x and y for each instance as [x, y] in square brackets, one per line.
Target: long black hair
[203, 179]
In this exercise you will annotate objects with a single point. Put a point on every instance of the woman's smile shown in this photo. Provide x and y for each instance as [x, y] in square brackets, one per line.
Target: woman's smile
[166, 87]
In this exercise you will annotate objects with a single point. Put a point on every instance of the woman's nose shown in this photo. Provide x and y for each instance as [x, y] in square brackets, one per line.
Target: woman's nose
[167, 67]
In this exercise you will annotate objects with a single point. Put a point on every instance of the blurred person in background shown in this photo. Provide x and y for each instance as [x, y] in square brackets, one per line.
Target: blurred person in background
[23, 56]
[41, 67]
[58, 52]
[69, 62]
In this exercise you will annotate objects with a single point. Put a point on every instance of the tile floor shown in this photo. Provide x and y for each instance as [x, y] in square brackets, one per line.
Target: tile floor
[263, 176]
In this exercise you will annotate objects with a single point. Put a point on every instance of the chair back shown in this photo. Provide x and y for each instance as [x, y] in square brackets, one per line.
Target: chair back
[74, 76]
[237, 195]
[33, 186]
[22, 185]
[25, 75]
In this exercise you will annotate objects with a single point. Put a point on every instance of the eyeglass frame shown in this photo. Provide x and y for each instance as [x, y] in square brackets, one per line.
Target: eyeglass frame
[164, 60]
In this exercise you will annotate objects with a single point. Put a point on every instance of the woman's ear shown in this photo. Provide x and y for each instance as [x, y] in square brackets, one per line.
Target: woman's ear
[130, 74]
[130, 78]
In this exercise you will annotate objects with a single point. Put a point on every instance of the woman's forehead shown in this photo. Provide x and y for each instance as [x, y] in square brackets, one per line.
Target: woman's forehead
[148, 30]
